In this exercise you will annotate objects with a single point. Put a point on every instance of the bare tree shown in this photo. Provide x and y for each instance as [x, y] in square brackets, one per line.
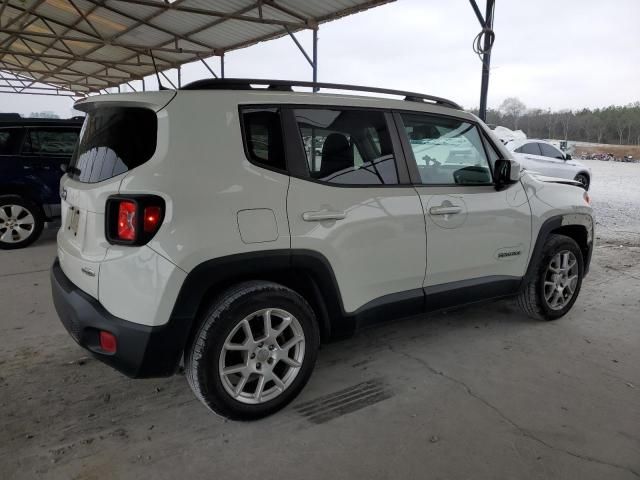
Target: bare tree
[550, 122]
[565, 120]
[513, 107]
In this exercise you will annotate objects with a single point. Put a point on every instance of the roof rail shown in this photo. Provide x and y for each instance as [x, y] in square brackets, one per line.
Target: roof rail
[286, 85]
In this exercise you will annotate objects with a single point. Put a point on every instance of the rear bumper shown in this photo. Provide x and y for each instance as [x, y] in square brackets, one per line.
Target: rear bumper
[142, 351]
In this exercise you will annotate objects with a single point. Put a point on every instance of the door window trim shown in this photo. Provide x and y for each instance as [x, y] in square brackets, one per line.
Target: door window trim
[412, 164]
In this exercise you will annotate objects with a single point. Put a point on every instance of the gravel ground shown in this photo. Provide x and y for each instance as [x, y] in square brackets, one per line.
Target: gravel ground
[615, 195]
[482, 392]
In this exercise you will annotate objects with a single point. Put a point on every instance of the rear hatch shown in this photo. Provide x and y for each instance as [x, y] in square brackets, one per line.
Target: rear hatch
[118, 135]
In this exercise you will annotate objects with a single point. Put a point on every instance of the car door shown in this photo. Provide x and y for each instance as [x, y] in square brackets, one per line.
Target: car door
[555, 161]
[44, 151]
[11, 172]
[530, 157]
[536, 160]
[352, 202]
[478, 237]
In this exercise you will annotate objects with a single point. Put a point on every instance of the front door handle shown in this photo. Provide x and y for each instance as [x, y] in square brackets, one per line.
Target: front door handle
[445, 210]
[322, 215]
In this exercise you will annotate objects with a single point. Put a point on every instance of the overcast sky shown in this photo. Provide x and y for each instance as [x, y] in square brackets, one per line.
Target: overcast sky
[549, 53]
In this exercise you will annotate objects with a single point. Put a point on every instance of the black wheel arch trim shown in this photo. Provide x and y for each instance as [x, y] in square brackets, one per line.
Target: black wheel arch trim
[556, 223]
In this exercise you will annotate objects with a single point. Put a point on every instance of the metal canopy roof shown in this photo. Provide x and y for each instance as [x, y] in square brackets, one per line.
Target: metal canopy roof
[75, 47]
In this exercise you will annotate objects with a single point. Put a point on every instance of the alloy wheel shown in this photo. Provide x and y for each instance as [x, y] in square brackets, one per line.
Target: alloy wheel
[262, 356]
[561, 280]
[16, 223]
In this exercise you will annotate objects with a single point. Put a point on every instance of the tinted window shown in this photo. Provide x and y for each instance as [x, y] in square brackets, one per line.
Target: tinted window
[7, 140]
[549, 151]
[529, 148]
[113, 140]
[263, 137]
[50, 141]
[347, 146]
[447, 151]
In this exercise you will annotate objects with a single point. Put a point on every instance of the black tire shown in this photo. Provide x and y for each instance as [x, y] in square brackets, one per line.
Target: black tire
[531, 299]
[583, 178]
[223, 316]
[6, 201]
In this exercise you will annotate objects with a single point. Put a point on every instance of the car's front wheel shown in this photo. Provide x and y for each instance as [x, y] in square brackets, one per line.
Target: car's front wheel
[583, 179]
[21, 222]
[554, 286]
[254, 351]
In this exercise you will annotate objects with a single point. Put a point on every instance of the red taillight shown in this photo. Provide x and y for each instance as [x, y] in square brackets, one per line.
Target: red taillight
[152, 219]
[133, 219]
[108, 342]
[127, 220]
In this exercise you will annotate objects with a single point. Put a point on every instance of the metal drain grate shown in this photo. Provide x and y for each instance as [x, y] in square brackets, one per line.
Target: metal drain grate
[345, 401]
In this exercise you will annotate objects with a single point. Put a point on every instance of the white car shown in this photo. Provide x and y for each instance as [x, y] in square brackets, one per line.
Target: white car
[543, 157]
[232, 229]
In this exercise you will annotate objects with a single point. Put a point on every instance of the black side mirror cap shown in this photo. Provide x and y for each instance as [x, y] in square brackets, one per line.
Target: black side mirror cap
[506, 172]
[567, 156]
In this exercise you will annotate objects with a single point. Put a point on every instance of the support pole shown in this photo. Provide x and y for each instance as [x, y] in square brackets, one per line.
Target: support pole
[222, 65]
[486, 60]
[315, 58]
[179, 77]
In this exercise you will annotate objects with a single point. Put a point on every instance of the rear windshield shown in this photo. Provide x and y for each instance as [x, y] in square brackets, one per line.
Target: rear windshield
[113, 140]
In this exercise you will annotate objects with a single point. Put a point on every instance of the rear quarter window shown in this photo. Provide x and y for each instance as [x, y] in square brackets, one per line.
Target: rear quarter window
[113, 141]
[9, 138]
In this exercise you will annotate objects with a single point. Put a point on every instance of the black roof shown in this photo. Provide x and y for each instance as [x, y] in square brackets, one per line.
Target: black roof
[286, 86]
[7, 120]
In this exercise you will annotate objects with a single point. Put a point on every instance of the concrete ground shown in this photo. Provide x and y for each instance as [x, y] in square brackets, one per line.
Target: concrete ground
[482, 392]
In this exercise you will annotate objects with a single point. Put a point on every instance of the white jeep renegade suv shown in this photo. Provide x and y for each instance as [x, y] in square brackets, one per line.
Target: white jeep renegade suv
[233, 229]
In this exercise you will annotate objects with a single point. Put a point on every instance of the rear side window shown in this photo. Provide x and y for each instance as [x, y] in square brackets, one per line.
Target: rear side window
[113, 141]
[347, 146]
[529, 148]
[50, 141]
[8, 139]
[262, 134]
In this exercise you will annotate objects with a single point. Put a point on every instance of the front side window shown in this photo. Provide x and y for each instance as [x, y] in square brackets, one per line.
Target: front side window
[52, 141]
[447, 151]
[347, 146]
[263, 137]
[549, 151]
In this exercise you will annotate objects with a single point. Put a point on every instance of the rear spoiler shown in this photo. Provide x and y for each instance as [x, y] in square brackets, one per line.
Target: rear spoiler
[155, 101]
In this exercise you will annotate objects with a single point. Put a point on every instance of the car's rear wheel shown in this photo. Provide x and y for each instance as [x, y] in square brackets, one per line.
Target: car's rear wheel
[583, 179]
[254, 351]
[21, 222]
[553, 288]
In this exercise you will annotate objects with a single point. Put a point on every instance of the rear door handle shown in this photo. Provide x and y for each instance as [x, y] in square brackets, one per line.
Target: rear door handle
[444, 210]
[321, 215]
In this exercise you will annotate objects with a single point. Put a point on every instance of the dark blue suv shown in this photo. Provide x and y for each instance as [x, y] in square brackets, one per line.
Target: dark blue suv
[33, 152]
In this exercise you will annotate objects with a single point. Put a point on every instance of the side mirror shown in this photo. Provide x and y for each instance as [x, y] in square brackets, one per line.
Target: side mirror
[567, 156]
[506, 172]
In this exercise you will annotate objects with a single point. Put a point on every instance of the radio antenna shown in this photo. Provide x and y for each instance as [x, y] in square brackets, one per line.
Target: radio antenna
[155, 67]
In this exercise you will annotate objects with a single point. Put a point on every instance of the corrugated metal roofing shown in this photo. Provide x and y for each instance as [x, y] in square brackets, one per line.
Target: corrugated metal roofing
[76, 47]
